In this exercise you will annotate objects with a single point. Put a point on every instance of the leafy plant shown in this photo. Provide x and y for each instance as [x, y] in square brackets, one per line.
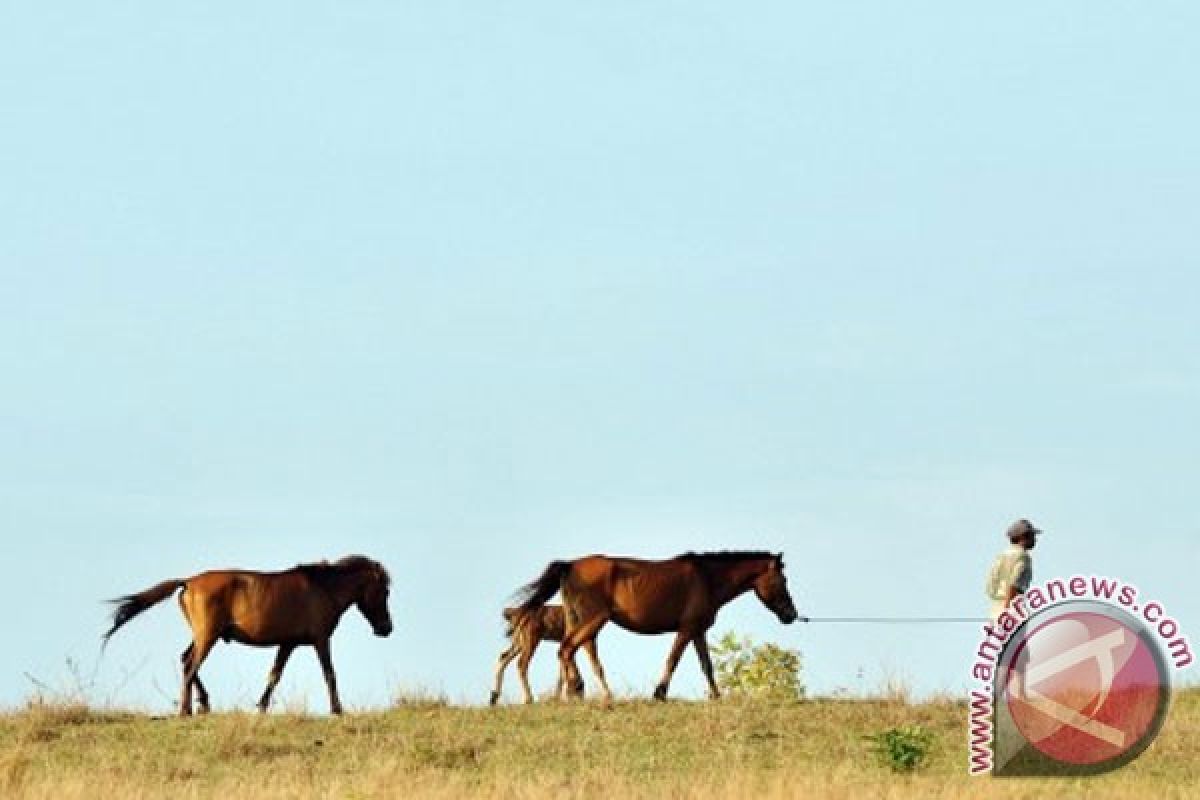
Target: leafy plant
[903, 749]
[766, 670]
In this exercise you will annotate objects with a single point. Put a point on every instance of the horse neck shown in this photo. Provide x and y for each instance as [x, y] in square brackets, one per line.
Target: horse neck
[344, 589]
[736, 578]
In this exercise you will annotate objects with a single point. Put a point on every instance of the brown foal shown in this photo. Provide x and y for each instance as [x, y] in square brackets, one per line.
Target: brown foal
[527, 629]
[680, 595]
[298, 607]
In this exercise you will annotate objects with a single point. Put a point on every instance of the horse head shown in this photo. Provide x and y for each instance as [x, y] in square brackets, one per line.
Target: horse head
[372, 600]
[772, 591]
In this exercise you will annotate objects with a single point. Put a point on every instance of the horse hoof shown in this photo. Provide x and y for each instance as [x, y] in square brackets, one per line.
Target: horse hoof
[660, 694]
[495, 699]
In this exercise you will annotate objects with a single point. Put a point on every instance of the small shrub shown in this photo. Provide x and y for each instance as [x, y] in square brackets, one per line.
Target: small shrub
[903, 749]
[765, 670]
[419, 699]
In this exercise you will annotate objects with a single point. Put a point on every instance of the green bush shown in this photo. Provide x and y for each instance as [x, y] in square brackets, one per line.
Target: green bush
[903, 749]
[766, 670]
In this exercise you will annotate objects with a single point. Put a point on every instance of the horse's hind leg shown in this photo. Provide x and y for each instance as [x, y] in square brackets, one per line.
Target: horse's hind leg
[502, 664]
[201, 692]
[200, 648]
[570, 682]
[706, 665]
[585, 632]
[281, 659]
[201, 696]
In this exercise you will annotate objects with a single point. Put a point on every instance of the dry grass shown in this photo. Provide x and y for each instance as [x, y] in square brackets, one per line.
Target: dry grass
[636, 749]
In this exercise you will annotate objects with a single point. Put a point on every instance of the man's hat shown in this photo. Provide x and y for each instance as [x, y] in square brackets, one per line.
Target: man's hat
[1022, 527]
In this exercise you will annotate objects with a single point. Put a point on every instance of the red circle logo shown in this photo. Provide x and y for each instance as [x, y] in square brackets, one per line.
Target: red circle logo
[1087, 687]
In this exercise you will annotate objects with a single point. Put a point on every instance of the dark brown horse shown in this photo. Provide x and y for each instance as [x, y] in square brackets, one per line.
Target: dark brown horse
[528, 629]
[681, 595]
[290, 609]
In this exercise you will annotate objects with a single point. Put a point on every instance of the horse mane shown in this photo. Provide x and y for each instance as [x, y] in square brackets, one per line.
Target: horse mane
[725, 556]
[324, 570]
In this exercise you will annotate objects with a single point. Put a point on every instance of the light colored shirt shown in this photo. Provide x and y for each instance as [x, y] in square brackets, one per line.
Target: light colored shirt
[1012, 569]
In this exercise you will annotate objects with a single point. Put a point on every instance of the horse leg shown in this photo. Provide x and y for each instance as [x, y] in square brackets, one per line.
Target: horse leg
[201, 696]
[557, 636]
[281, 659]
[201, 693]
[701, 644]
[529, 645]
[677, 648]
[326, 659]
[502, 663]
[598, 668]
[585, 632]
[202, 645]
[570, 682]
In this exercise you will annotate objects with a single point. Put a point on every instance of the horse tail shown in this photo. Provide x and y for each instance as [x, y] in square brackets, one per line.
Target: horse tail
[535, 594]
[131, 605]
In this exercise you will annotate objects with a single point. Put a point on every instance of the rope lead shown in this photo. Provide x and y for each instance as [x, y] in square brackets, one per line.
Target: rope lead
[898, 620]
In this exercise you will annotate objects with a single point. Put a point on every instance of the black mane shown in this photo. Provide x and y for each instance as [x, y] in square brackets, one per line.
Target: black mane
[320, 570]
[724, 556]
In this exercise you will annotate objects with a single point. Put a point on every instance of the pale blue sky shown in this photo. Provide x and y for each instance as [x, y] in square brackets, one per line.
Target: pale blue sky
[467, 287]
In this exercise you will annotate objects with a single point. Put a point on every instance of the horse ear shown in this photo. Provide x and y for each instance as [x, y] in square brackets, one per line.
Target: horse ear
[779, 559]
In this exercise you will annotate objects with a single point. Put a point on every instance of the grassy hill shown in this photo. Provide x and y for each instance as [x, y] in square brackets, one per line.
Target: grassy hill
[635, 749]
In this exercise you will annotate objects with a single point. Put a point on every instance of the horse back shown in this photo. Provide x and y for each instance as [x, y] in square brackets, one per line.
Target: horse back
[256, 607]
[642, 596]
[547, 622]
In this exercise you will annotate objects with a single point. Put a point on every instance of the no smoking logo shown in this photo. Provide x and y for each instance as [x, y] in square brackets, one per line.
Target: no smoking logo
[1083, 689]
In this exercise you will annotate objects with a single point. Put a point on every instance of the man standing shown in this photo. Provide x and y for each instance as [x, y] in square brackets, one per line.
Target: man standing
[1012, 571]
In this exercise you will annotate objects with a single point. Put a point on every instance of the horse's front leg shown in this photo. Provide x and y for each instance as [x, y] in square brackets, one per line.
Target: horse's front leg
[326, 659]
[677, 648]
[701, 643]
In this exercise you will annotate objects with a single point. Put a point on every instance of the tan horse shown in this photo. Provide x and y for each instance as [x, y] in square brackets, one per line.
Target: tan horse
[681, 595]
[528, 629]
[290, 609]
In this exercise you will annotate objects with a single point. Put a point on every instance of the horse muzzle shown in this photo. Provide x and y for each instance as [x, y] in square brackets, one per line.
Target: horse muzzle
[383, 630]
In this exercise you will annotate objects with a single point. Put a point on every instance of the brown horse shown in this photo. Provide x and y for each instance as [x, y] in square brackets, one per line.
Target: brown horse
[682, 594]
[298, 607]
[527, 629]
